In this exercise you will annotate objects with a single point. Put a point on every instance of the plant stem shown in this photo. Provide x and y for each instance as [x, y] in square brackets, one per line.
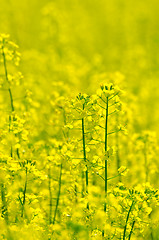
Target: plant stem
[84, 154]
[4, 204]
[50, 193]
[106, 146]
[24, 191]
[9, 90]
[127, 219]
[131, 230]
[76, 197]
[6, 75]
[117, 147]
[83, 184]
[58, 195]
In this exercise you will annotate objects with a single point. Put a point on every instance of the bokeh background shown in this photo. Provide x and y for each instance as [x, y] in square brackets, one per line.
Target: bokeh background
[75, 41]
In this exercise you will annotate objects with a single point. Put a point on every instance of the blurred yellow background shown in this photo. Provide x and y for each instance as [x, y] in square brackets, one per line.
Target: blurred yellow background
[73, 40]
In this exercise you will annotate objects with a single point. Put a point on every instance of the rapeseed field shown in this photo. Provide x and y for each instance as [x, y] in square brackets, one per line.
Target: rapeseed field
[79, 120]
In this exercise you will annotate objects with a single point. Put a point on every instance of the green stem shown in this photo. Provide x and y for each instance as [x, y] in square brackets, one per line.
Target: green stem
[24, 191]
[4, 204]
[127, 219]
[117, 147]
[9, 90]
[106, 143]
[50, 193]
[83, 189]
[58, 195]
[84, 154]
[76, 197]
[131, 230]
[6, 75]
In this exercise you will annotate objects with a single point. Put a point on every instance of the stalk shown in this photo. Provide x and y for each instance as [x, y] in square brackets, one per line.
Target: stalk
[58, 195]
[11, 150]
[6, 76]
[127, 219]
[117, 147]
[106, 146]
[106, 163]
[5, 211]
[50, 194]
[9, 90]
[151, 234]
[83, 188]
[84, 155]
[76, 197]
[131, 230]
[4, 204]
[10, 95]
[24, 191]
